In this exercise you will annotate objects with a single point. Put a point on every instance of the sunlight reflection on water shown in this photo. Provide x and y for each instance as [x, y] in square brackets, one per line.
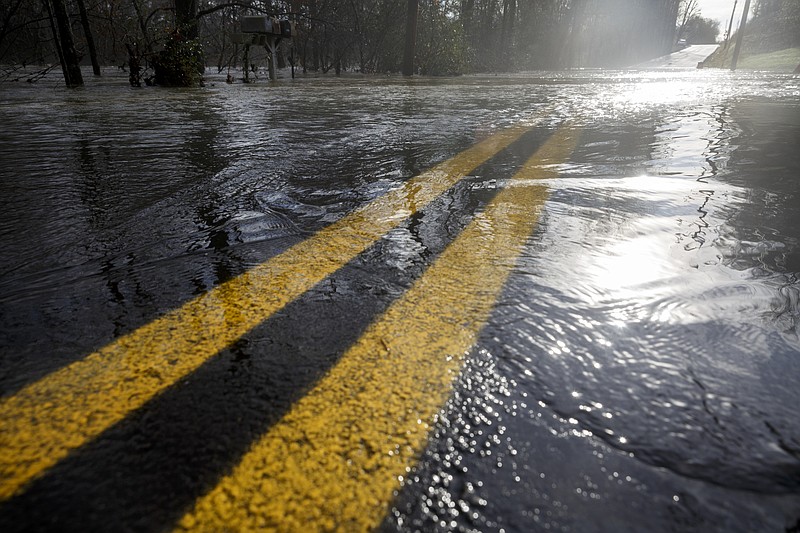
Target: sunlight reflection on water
[655, 312]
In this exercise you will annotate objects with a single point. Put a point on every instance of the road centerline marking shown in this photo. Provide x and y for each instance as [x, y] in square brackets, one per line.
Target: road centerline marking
[333, 461]
[41, 423]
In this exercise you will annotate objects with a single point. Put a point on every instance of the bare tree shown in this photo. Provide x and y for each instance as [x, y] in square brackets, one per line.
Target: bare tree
[688, 9]
[70, 63]
[87, 33]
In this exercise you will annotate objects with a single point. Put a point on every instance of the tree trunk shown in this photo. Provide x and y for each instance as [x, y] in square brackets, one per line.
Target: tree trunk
[186, 17]
[669, 21]
[507, 34]
[70, 64]
[467, 9]
[573, 53]
[54, 31]
[87, 32]
[411, 38]
[142, 25]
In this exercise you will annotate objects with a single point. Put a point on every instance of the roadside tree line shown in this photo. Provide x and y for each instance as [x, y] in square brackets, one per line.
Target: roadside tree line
[369, 36]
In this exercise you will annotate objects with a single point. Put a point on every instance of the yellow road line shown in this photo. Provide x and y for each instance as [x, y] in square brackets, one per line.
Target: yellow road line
[41, 423]
[333, 461]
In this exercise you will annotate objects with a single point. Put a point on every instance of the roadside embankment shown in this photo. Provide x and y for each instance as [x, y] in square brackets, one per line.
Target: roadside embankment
[771, 41]
[779, 60]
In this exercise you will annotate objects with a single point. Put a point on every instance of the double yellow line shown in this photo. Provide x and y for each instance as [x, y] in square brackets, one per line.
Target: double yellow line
[335, 457]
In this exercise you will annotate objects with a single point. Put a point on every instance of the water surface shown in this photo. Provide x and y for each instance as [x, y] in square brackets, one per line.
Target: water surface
[638, 373]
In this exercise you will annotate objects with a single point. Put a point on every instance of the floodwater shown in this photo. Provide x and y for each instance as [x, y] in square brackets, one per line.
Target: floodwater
[638, 373]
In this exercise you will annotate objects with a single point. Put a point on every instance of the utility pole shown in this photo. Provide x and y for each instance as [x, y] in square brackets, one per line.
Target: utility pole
[740, 35]
[728, 35]
[411, 38]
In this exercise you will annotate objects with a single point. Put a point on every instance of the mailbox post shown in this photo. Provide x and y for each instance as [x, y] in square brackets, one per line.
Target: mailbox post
[264, 31]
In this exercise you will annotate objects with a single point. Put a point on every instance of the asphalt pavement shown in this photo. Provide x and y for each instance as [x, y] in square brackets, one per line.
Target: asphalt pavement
[535, 302]
[688, 57]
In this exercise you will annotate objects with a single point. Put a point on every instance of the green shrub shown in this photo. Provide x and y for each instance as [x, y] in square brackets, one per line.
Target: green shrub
[180, 64]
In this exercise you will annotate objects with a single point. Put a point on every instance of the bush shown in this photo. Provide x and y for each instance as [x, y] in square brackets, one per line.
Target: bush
[180, 64]
[441, 48]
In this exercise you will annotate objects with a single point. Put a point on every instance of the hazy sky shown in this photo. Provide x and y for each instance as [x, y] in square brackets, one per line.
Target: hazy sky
[720, 10]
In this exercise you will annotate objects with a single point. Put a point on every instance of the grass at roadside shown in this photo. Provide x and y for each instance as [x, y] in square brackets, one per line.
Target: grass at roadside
[780, 60]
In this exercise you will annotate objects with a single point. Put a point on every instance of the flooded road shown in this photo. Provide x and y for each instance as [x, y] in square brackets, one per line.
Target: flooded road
[635, 369]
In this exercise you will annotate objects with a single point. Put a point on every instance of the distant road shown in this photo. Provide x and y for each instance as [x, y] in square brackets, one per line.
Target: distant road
[689, 57]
